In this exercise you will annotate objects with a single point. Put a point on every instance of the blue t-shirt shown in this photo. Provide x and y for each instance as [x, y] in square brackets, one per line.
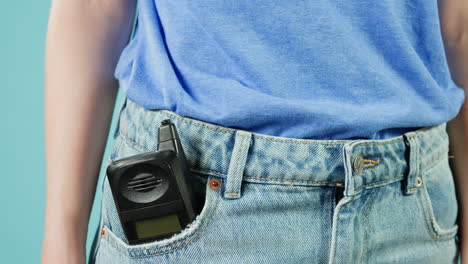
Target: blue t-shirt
[322, 69]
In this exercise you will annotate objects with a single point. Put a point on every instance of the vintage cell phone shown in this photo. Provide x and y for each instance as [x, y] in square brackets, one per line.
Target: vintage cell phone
[152, 191]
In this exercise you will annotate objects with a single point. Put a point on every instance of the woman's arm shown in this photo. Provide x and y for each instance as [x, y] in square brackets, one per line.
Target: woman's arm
[454, 25]
[84, 41]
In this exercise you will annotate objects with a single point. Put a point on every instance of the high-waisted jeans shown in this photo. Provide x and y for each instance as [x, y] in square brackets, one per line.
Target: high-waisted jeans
[286, 200]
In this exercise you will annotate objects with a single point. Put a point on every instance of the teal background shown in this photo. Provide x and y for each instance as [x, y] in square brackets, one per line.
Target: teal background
[22, 157]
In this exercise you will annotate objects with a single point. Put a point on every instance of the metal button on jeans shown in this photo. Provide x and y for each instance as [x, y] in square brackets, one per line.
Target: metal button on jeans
[358, 163]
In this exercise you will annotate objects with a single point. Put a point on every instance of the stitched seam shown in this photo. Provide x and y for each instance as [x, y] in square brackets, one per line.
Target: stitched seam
[333, 246]
[207, 170]
[116, 148]
[366, 217]
[428, 217]
[270, 179]
[401, 175]
[436, 161]
[434, 224]
[378, 143]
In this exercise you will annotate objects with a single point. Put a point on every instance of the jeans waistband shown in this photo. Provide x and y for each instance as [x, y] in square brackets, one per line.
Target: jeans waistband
[353, 164]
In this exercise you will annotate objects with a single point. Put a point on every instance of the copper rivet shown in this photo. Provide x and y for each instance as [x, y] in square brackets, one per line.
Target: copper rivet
[419, 182]
[214, 184]
[103, 232]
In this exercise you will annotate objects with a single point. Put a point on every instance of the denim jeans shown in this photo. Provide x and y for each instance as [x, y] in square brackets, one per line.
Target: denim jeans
[289, 200]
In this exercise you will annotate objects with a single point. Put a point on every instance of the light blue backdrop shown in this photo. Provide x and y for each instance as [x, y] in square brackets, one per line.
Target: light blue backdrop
[22, 194]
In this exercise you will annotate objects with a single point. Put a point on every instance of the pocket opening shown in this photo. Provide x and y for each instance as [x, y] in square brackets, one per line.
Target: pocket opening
[438, 180]
[189, 234]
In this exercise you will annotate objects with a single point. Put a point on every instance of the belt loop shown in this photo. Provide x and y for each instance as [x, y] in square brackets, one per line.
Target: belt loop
[412, 146]
[237, 164]
[122, 107]
[350, 188]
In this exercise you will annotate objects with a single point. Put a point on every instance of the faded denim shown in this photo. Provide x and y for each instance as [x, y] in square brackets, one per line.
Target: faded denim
[286, 200]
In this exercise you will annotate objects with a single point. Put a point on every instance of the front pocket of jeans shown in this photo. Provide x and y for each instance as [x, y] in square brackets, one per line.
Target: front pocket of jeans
[438, 202]
[188, 235]
[124, 147]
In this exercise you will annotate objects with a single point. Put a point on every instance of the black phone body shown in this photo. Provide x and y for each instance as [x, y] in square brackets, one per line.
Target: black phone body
[151, 191]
